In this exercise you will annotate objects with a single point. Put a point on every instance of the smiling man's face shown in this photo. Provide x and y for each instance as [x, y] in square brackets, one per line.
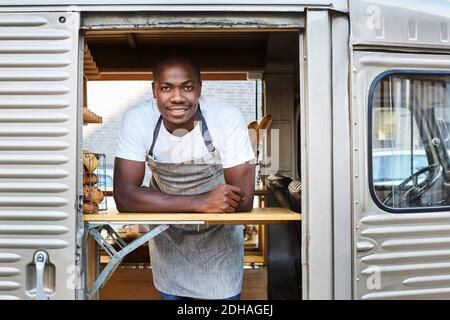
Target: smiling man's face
[176, 91]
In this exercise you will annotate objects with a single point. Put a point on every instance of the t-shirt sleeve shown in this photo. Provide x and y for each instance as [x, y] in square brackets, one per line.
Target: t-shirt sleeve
[131, 144]
[237, 148]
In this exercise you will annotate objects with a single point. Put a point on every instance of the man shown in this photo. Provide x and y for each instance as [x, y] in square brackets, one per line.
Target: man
[199, 153]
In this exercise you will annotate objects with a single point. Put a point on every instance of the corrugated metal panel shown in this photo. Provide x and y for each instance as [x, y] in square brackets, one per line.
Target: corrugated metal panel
[391, 257]
[31, 103]
[439, 280]
[38, 139]
[33, 173]
[17, 48]
[32, 229]
[31, 117]
[30, 215]
[406, 230]
[33, 62]
[9, 285]
[413, 256]
[8, 272]
[27, 75]
[33, 145]
[406, 218]
[21, 22]
[437, 293]
[33, 159]
[33, 131]
[416, 243]
[24, 89]
[5, 297]
[26, 201]
[9, 257]
[37, 243]
[397, 256]
[33, 34]
[33, 187]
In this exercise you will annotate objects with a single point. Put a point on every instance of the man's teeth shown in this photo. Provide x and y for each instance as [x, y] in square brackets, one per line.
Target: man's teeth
[178, 110]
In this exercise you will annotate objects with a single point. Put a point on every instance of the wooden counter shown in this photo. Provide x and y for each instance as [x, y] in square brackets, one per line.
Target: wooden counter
[256, 216]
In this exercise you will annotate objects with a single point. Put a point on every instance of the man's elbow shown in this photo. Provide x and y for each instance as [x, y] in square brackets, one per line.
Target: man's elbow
[246, 206]
[120, 208]
[122, 200]
[120, 204]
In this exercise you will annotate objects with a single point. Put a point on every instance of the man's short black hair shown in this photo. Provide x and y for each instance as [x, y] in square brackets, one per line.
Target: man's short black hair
[175, 59]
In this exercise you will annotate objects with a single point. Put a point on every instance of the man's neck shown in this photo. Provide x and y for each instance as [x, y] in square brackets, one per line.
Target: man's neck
[182, 129]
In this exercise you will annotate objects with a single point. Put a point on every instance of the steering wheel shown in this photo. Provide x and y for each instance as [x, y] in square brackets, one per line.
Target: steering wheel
[417, 189]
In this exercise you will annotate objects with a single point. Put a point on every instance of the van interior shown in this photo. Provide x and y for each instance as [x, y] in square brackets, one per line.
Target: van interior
[272, 267]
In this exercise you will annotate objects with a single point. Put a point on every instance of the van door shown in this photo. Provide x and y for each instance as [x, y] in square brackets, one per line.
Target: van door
[38, 154]
[401, 175]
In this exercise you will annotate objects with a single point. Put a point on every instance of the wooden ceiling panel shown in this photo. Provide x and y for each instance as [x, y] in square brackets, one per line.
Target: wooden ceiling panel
[228, 54]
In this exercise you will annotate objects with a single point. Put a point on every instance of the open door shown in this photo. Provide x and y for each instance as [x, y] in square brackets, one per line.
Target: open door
[38, 154]
[401, 176]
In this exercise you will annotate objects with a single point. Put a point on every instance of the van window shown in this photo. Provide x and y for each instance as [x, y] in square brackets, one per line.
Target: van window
[409, 141]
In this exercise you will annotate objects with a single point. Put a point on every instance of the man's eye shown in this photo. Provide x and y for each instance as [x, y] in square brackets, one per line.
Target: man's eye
[165, 88]
[188, 88]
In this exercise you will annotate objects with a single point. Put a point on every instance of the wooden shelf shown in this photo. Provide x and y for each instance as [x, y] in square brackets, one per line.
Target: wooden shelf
[89, 66]
[90, 73]
[256, 216]
[90, 117]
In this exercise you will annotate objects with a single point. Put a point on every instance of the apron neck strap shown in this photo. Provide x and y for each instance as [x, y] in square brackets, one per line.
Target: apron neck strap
[204, 127]
[205, 132]
[155, 135]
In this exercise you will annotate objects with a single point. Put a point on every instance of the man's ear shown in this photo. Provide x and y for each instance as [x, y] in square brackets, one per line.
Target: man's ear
[199, 88]
[153, 89]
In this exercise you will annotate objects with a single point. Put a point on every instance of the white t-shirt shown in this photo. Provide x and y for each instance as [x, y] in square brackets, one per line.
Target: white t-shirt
[227, 128]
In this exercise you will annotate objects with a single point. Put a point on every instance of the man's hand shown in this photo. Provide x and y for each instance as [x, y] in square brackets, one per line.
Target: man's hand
[224, 198]
[242, 176]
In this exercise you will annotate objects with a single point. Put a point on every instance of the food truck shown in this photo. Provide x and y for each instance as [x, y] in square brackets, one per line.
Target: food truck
[358, 91]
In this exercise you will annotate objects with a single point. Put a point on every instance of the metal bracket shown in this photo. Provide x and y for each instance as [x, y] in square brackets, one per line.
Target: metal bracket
[40, 260]
[116, 256]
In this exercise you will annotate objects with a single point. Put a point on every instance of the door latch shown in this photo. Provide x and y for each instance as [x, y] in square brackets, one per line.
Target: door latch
[40, 260]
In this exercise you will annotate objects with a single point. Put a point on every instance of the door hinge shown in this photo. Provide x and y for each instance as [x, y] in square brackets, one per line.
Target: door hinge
[79, 202]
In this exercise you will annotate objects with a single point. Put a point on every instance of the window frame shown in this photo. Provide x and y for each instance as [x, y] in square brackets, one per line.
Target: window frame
[372, 88]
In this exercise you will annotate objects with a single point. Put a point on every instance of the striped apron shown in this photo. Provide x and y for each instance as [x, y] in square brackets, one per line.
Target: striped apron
[197, 261]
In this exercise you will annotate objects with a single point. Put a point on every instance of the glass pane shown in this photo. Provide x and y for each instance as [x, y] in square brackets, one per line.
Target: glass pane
[411, 140]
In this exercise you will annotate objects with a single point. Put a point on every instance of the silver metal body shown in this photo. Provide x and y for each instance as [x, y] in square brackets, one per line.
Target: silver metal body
[343, 46]
[38, 162]
[390, 250]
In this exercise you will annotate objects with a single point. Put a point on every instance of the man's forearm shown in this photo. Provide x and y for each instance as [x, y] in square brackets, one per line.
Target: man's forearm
[150, 200]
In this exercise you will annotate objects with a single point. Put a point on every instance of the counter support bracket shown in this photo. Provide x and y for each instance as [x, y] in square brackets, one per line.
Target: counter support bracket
[116, 256]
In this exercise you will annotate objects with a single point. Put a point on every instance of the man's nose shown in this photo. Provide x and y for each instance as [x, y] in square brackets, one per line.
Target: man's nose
[177, 96]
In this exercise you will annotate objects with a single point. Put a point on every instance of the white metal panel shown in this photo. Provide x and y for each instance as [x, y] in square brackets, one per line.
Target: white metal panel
[408, 253]
[410, 23]
[182, 5]
[303, 167]
[317, 157]
[38, 135]
[342, 217]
